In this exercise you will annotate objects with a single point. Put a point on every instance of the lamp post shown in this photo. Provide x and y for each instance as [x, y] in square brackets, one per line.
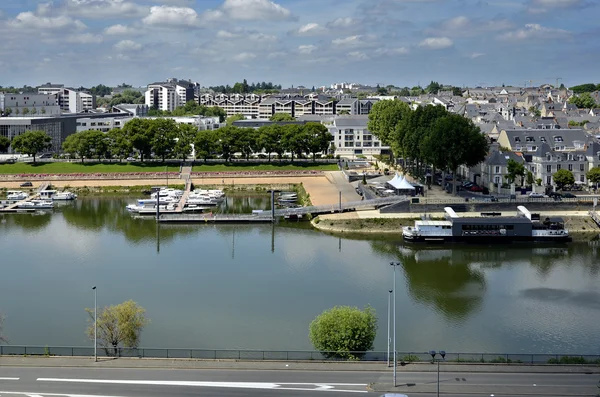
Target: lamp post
[388, 327]
[433, 354]
[394, 264]
[95, 325]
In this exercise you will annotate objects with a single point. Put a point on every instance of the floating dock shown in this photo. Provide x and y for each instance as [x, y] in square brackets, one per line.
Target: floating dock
[14, 207]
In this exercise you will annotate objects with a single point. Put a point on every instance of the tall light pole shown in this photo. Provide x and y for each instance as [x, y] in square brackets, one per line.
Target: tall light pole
[394, 264]
[433, 354]
[95, 325]
[388, 327]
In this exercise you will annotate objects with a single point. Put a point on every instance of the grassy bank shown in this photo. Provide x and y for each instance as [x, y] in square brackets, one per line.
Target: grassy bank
[275, 166]
[85, 168]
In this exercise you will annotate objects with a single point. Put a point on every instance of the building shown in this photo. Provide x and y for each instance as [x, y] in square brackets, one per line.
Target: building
[103, 124]
[200, 122]
[132, 109]
[29, 104]
[167, 96]
[351, 137]
[50, 89]
[70, 100]
[58, 128]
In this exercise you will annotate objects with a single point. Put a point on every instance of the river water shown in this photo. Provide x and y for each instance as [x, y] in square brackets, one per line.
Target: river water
[258, 286]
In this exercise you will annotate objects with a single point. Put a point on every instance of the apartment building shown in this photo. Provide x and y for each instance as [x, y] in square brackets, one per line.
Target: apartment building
[352, 137]
[28, 105]
[69, 100]
[168, 95]
[50, 89]
[245, 104]
[103, 124]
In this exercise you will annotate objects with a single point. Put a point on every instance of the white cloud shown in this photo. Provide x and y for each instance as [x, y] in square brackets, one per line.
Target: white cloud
[392, 51]
[277, 54]
[171, 17]
[127, 46]
[248, 10]
[244, 56]
[357, 55]
[459, 22]
[306, 49]
[29, 20]
[535, 31]
[476, 55]
[245, 35]
[121, 30]
[341, 23]
[310, 29]
[436, 43]
[465, 26]
[85, 38]
[100, 9]
[355, 40]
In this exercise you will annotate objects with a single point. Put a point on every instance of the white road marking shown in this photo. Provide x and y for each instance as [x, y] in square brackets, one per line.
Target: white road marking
[1, 378]
[237, 385]
[19, 393]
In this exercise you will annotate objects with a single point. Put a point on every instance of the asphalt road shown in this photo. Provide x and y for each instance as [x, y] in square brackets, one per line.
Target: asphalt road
[80, 382]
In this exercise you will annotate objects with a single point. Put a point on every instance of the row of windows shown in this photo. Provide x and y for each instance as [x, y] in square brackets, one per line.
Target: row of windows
[487, 227]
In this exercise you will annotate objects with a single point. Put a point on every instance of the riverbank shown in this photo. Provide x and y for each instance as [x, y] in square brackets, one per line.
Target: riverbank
[580, 225]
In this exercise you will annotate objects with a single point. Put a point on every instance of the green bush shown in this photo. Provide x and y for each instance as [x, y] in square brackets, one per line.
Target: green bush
[411, 358]
[570, 360]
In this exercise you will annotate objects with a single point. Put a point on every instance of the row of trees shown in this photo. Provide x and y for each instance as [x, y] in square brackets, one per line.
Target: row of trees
[588, 87]
[428, 135]
[192, 108]
[583, 101]
[245, 88]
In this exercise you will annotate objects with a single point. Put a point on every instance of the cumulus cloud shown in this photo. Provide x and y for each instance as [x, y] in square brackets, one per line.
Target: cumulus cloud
[127, 46]
[464, 26]
[357, 55]
[244, 56]
[168, 16]
[353, 41]
[29, 20]
[245, 35]
[121, 30]
[306, 49]
[310, 29]
[341, 23]
[85, 38]
[391, 51]
[436, 43]
[248, 10]
[100, 9]
[535, 31]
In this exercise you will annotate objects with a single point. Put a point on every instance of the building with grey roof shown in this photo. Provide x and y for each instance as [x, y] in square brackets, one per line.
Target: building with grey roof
[352, 137]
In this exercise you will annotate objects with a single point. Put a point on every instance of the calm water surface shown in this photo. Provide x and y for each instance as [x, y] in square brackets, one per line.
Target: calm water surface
[259, 287]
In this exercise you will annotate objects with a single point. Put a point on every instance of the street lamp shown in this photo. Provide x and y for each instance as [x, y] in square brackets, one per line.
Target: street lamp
[95, 325]
[388, 327]
[433, 354]
[394, 264]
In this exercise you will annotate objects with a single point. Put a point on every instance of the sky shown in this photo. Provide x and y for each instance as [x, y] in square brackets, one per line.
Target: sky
[300, 42]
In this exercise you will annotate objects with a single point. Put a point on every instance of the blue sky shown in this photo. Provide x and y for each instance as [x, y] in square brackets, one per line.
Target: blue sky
[299, 42]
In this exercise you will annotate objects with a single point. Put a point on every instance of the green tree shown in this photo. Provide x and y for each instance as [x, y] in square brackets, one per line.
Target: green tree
[294, 139]
[282, 117]
[530, 178]
[4, 144]
[593, 175]
[457, 91]
[32, 143]
[385, 116]
[164, 132]
[247, 141]
[455, 141]
[269, 138]
[119, 326]
[534, 111]
[127, 96]
[119, 145]
[344, 332]
[583, 101]
[318, 138]
[227, 141]
[562, 178]
[580, 89]
[186, 134]
[206, 144]
[345, 111]
[139, 133]
[25, 111]
[234, 117]
[404, 92]
[514, 170]
[433, 87]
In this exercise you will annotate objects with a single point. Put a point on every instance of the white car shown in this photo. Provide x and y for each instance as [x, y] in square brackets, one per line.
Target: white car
[130, 159]
[537, 195]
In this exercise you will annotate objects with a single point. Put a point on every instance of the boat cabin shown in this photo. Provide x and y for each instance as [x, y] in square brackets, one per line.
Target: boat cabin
[46, 194]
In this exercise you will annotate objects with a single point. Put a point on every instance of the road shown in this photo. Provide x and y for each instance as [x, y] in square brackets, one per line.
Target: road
[127, 382]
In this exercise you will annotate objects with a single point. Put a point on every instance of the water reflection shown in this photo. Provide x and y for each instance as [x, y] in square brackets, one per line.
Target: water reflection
[25, 221]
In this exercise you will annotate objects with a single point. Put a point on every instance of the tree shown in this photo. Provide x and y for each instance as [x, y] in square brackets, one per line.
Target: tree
[433, 87]
[593, 175]
[515, 169]
[164, 132]
[282, 117]
[455, 141]
[227, 138]
[32, 143]
[562, 178]
[384, 117]
[139, 133]
[293, 139]
[246, 141]
[344, 332]
[269, 139]
[318, 138]
[4, 143]
[205, 144]
[234, 117]
[530, 179]
[2, 337]
[186, 134]
[534, 111]
[345, 111]
[25, 111]
[583, 101]
[118, 144]
[118, 326]
[457, 91]
[580, 89]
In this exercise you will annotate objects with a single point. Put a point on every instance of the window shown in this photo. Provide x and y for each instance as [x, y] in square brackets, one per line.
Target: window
[558, 167]
[582, 178]
[529, 139]
[558, 138]
[497, 169]
[543, 139]
[517, 139]
[581, 167]
[548, 168]
[570, 167]
[548, 180]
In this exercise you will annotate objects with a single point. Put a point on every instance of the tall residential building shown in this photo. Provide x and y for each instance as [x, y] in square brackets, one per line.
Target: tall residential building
[168, 95]
[70, 100]
[352, 137]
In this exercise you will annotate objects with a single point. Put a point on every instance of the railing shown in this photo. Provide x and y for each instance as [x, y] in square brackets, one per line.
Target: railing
[295, 355]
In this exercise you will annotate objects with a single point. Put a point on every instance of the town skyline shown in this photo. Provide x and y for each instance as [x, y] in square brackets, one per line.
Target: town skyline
[397, 42]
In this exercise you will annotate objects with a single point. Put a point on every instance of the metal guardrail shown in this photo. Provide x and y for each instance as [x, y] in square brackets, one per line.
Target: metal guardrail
[518, 199]
[294, 355]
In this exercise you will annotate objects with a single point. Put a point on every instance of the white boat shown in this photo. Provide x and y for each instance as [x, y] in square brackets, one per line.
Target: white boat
[37, 204]
[16, 195]
[288, 197]
[64, 196]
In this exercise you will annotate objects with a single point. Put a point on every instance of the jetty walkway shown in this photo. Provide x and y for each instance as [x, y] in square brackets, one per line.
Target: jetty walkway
[14, 207]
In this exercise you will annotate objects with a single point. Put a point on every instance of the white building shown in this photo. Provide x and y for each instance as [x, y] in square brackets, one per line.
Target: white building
[352, 137]
[69, 99]
[168, 95]
[50, 89]
[28, 105]
[103, 124]
[202, 123]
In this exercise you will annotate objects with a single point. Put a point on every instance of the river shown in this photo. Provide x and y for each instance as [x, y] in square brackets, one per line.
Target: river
[259, 286]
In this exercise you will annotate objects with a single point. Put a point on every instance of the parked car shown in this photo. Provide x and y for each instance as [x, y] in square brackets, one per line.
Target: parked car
[26, 184]
[467, 185]
[537, 195]
[475, 188]
[569, 195]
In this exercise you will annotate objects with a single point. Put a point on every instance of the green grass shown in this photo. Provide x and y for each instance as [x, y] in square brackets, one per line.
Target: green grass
[263, 167]
[78, 168]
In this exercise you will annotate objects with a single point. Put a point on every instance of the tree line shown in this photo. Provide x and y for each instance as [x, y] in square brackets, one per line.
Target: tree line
[245, 88]
[428, 135]
[191, 108]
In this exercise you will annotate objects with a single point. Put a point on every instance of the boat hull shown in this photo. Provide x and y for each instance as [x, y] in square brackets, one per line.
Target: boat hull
[486, 239]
